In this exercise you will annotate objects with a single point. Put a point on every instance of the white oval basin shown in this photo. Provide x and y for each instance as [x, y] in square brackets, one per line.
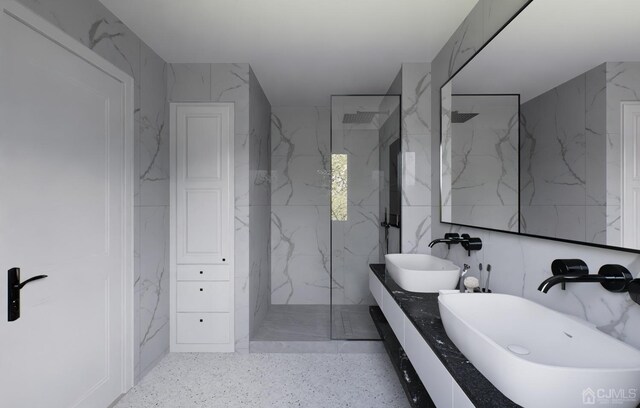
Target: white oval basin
[421, 272]
[539, 357]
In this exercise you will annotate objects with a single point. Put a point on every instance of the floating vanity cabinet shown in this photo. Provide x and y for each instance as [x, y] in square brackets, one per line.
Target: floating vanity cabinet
[441, 386]
[202, 229]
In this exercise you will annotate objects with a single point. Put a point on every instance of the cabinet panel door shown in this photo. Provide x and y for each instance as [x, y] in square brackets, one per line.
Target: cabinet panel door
[204, 183]
[202, 227]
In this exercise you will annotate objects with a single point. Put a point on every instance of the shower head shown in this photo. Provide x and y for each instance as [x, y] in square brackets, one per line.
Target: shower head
[361, 117]
[457, 117]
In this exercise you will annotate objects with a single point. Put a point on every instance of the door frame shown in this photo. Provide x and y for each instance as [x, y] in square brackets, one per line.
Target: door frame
[24, 15]
[627, 234]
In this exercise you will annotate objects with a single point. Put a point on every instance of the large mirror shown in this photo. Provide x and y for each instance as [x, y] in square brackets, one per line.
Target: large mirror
[541, 129]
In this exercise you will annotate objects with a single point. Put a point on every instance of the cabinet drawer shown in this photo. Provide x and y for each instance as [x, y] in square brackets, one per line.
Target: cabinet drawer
[202, 328]
[434, 376]
[395, 316]
[202, 272]
[460, 399]
[202, 297]
[375, 286]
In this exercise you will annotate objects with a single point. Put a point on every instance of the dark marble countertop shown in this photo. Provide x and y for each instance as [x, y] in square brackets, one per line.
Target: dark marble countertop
[423, 312]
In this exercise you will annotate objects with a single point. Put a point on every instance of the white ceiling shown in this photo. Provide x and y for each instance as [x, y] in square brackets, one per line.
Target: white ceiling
[551, 42]
[302, 51]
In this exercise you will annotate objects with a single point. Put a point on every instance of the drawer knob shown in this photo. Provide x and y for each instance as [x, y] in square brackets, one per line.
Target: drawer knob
[201, 272]
[201, 320]
[200, 289]
[223, 259]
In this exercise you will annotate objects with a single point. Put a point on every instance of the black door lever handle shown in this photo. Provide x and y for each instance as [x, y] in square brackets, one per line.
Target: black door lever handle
[14, 286]
[21, 285]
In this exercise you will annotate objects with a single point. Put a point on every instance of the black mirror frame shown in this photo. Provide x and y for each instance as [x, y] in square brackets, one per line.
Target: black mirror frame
[569, 241]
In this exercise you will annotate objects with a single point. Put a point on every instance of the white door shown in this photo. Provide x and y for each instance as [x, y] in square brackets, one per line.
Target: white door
[65, 211]
[631, 174]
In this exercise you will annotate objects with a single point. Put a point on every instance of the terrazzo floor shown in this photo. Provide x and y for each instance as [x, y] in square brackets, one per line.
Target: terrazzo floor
[186, 380]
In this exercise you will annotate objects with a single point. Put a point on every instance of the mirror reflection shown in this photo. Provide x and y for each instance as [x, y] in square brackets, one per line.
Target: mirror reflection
[578, 97]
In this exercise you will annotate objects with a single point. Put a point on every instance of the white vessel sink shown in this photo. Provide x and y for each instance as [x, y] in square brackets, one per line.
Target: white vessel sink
[422, 273]
[539, 357]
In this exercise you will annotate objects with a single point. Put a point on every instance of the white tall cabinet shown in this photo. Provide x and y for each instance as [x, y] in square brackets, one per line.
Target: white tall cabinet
[202, 227]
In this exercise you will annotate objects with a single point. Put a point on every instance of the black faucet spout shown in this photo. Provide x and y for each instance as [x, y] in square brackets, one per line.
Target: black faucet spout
[442, 241]
[554, 280]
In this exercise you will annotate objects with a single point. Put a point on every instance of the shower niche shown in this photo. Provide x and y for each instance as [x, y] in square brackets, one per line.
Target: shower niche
[365, 204]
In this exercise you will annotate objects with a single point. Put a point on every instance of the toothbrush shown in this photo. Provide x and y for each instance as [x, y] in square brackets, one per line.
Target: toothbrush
[488, 277]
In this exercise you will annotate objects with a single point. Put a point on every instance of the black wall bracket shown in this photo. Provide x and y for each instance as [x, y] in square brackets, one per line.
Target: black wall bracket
[14, 285]
[634, 290]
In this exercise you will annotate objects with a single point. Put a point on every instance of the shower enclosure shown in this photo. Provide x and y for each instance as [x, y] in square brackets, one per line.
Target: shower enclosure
[365, 204]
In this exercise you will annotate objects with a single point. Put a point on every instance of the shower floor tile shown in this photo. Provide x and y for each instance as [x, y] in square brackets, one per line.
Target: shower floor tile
[353, 322]
[295, 323]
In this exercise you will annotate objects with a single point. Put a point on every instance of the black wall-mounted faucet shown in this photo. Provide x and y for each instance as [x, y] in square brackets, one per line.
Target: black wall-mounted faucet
[452, 238]
[614, 278]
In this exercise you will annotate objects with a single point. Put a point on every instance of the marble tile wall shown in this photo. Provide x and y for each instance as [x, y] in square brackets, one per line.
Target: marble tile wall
[232, 83]
[416, 157]
[259, 203]
[388, 134]
[484, 156]
[521, 263]
[563, 157]
[89, 22]
[623, 84]
[300, 196]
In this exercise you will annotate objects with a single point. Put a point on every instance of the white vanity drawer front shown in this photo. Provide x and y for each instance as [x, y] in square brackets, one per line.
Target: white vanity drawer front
[202, 328]
[202, 297]
[395, 316]
[460, 399]
[376, 288]
[202, 272]
[434, 375]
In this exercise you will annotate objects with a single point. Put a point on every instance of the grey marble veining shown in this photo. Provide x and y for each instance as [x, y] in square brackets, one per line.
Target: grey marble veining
[388, 135]
[300, 156]
[356, 238]
[622, 84]
[153, 285]
[571, 155]
[259, 202]
[154, 130]
[300, 271]
[300, 181]
[416, 87]
[520, 263]
[482, 162]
